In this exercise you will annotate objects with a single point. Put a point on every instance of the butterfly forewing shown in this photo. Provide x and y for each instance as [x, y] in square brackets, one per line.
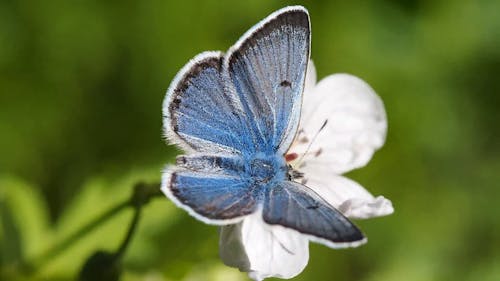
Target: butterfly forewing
[267, 69]
[199, 114]
[247, 101]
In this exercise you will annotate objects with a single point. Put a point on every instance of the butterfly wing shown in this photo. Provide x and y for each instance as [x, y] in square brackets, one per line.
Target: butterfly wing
[240, 104]
[296, 206]
[267, 68]
[250, 104]
[199, 113]
[212, 198]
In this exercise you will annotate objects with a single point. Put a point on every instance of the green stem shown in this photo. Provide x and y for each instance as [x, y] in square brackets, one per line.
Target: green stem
[86, 229]
[141, 195]
[133, 226]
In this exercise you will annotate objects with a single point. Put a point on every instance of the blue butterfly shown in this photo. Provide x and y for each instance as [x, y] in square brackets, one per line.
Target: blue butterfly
[236, 115]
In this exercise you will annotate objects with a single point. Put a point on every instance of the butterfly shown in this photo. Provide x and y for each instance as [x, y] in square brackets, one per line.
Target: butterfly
[235, 115]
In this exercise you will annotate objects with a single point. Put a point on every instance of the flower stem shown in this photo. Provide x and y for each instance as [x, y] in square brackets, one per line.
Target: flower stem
[133, 226]
[141, 195]
[86, 229]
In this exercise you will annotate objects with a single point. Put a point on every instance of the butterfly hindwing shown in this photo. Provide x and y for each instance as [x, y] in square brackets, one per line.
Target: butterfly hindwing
[212, 198]
[296, 206]
[212, 164]
[267, 68]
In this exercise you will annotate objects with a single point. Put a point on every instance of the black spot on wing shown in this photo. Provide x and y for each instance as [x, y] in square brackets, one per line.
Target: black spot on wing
[286, 83]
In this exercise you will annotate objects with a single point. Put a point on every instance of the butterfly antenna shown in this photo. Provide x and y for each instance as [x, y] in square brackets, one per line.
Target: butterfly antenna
[311, 142]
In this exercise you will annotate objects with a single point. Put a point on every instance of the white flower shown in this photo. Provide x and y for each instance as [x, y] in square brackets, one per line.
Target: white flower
[342, 123]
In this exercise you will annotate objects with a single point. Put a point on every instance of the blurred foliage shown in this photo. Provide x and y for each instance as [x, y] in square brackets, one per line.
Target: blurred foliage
[81, 88]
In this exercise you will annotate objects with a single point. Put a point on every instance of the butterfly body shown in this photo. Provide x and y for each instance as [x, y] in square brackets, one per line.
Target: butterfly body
[236, 115]
[266, 169]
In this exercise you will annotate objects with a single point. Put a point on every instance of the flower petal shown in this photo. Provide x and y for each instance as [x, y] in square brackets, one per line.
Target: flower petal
[363, 209]
[347, 196]
[310, 82]
[263, 250]
[347, 121]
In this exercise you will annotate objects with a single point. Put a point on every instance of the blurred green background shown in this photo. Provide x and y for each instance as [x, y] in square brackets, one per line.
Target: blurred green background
[81, 87]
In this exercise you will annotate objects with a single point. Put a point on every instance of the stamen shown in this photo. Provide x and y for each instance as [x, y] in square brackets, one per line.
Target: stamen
[322, 126]
[312, 140]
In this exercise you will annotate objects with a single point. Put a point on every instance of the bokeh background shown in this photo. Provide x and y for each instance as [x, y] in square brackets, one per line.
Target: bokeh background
[81, 87]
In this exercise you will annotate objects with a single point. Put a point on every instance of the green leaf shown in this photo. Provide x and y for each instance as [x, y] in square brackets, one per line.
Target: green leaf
[10, 243]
